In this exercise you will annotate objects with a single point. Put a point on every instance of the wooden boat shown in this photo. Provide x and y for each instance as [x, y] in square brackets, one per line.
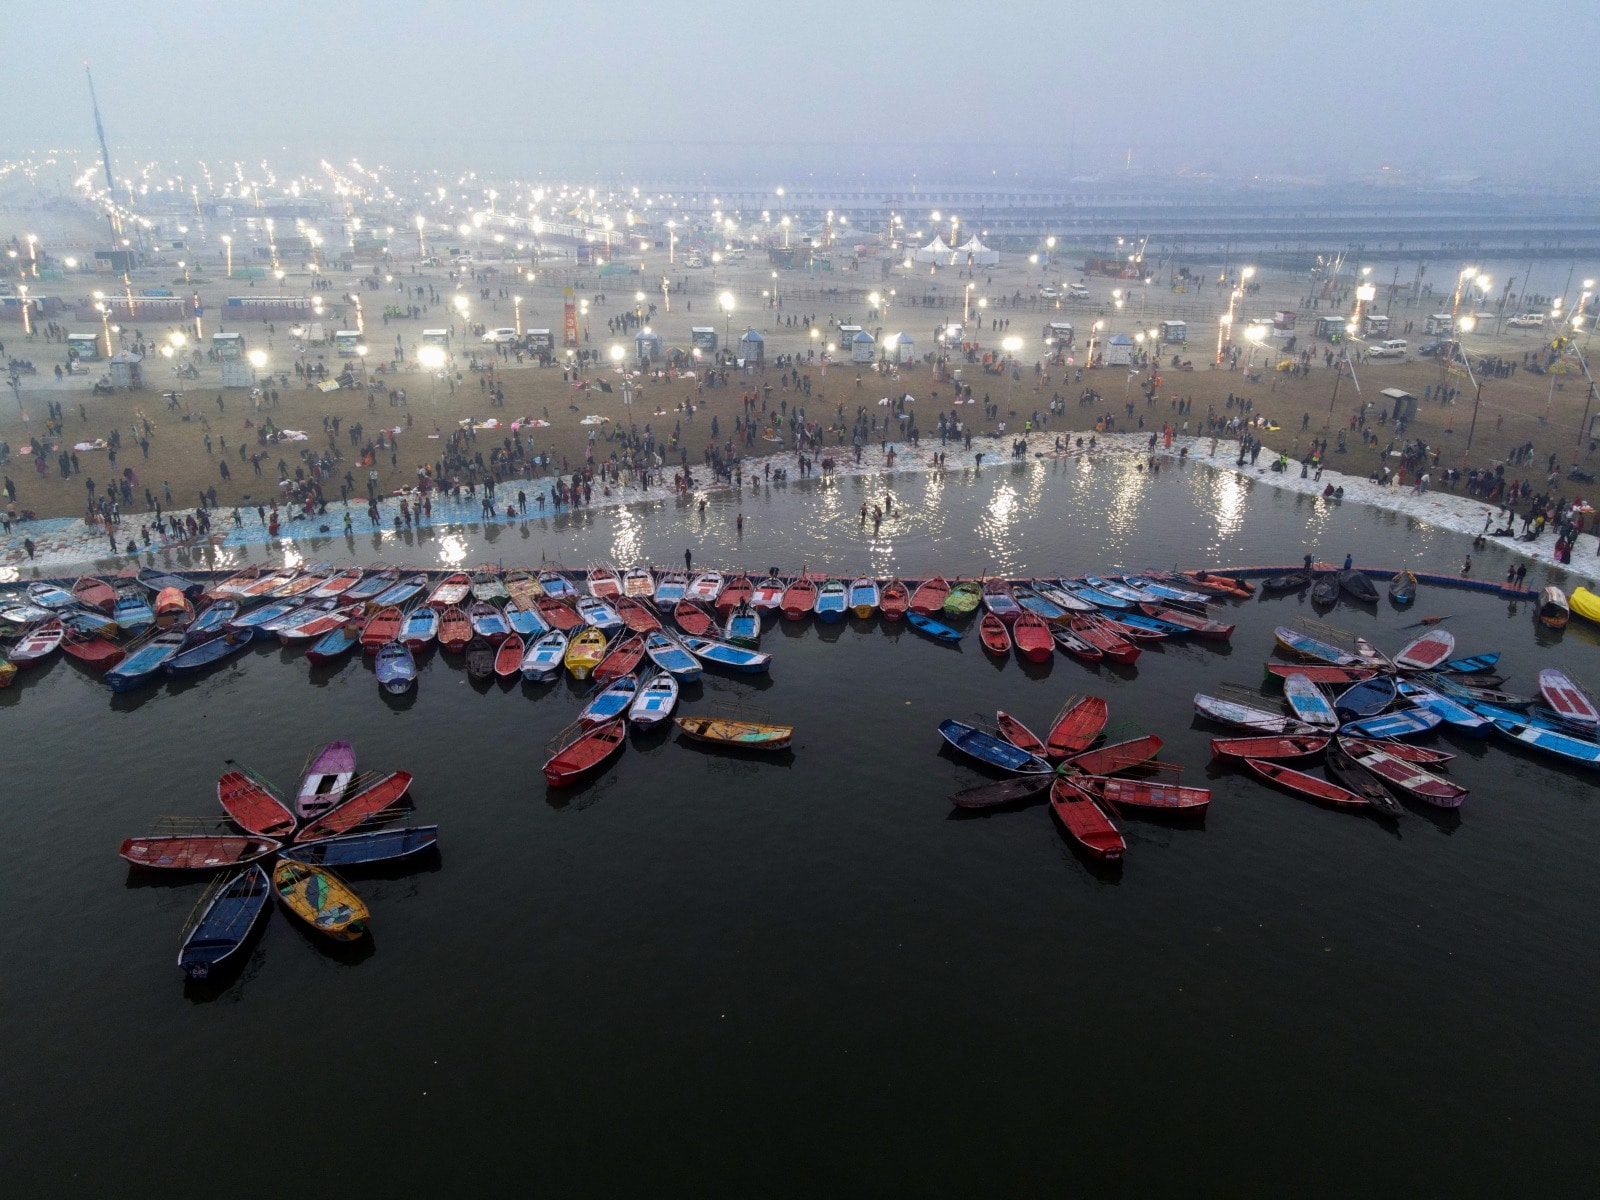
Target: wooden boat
[1351, 774]
[300, 587]
[252, 805]
[1568, 699]
[544, 658]
[1308, 702]
[637, 584]
[1301, 784]
[451, 591]
[265, 585]
[195, 852]
[1367, 698]
[705, 587]
[654, 701]
[622, 658]
[1403, 589]
[158, 581]
[1136, 627]
[365, 803]
[1358, 587]
[1426, 652]
[1077, 727]
[585, 650]
[670, 589]
[523, 588]
[1164, 593]
[230, 587]
[1472, 696]
[894, 600]
[337, 584]
[936, 630]
[334, 644]
[671, 657]
[1103, 638]
[1145, 793]
[323, 782]
[767, 596]
[636, 616]
[559, 616]
[799, 598]
[997, 599]
[455, 630]
[1032, 637]
[37, 644]
[598, 613]
[1456, 715]
[604, 583]
[1554, 610]
[479, 656]
[420, 628]
[1006, 791]
[508, 657]
[584, 753]
[743, 627]
[1129, 595]
[401, 592]
[382, 627]
[369, 846]
[396, 668]
[320, 899]
[1061, 597]
[734, 595]
[369, 587]
[831, 602]
[693, 619]
[95, 593]
[929, 596]
[741, 735]
[224, 919]
[292, 620]
[1325, 590]
[611, 702]
[994, 635]
[862, 597]
[963, 598]
[488, 622]
[1246, 716]
[1304, 646]
[143, 665]
[1119, 756]
[1320, 672]
[1203, 627]
[1219, 585]
[172, 607]
[990, 750]
[1277, 585]
[525, 622]
[196, 656]
[1040, 606]
[1018, 734]
[132, 612]
[1406, 777]
[489, 588]
[722, 654]
[557, 586]
[213, 618]
[1585, 604]
[1425, 756]
[94, 652]
[1405, 722]
[314, 624]
[1082, 817]
[1472, 664]
[1076, 646]
[1271, 748]
[1103, 601]
[1582, 751]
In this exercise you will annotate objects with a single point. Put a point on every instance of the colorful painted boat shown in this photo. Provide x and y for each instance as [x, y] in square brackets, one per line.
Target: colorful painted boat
[1301, 784]
[585, 753]
[195, 852]
[1407, 777]
[706, 587]
[585, 650]
[488, 587]
[1246, 716]
[1102, 637]
[1088, 824]
[1032, 637]
[862, 597]
[93, 651]
[1093, 596]
[143, 665]
[1349, 773]
[1582, 751]
[1367, 698]
[544, 658]
[1130, 596]
[488, 622]
[611, 702]
[132, 612]
[1309, 704]
[604, 583]
[508, 657]
[598, 613]
[213, 618]
[622, 658]
[1272, 748]
[381, 628]
[223, 920]
[767, 596]
[1456, 715]
[334, 645]
[637, 584]
[936, 630]
[451, 591]
[1403, 589]
[401, 592]
[235, 584]
[1426, 756]
[994, 635]
[1203, 627]
[1553, 610]
[395, 668]
[670, 589]
[693, 619]
[1218, 585]
[738, 735]
[1585, 604]
[455, 630]
[930, 595]
[327, 774]
[654, 701]
[158, 581]
[1304, 646]
[337, 584]
[997, 599]
[1569, 700]
[1472, 664]
[320, 899]
[1076, 646]
[370, 846]
[1426, 652]
[832, 602]
[743, 627]
[526, 622]
[799, 598]
[894, 600]
[1042, 607]
[735, 594]
[419, 628]
[1077, 727]
[369, 587]
[963, 598]
[1145, 793]
[37, 644]
[1018, 734]
[366, 802]
[636, 615]
[1166, 593]
[557, 586]
[523, 588]
[671, 657]
[252, 805]
[196, 656]
[1405, 722]
[722, 654]
[95, 593]
[1119, 756]
[990, 750]
[559, 615]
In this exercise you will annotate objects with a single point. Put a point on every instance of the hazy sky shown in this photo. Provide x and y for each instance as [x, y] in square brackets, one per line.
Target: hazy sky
[689, 88]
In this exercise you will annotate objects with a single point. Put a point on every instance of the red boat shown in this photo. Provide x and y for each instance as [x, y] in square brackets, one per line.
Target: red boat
[734, 594]
[1099, 634]
[1218, 585]
[382, 627]
[252, 807]
[1271, 748]
[558, 615]
[585, 753]
[994, 635]
[508, 658]
[450, 591]
[893, 601]
[799, 598]
[1200, 626]
[95, 593]
[1415, 781]
[1404, 751]
[96, 653]
[1146, 793]
[367, 803]
[928, 599]
[693, 619]
[1321, 672]
[196, 853]
[1082, 817]
[1018, 734]
[1031, 632]
[636, 616]
[455, 630]
[623, 657]
[1305, 785]
[1118, 756]
[1076, 729]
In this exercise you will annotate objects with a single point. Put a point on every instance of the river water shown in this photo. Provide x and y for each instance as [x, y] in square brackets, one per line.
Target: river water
[805, 973]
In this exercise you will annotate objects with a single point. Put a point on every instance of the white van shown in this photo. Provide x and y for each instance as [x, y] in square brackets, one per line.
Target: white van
[1077, 292]
[1392, 348]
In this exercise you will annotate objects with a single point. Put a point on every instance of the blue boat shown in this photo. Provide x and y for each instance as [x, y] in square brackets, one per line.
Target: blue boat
[830, 605]
[936, 630]
[1407, 722]
[598, 613]
[1366, 699]
[1094, 595]
[335, 644]
[743, 627]
[354, 849]
[1303, 645]
[669, 591]
[1308, 702]
[371, 585]
[48, 595]
[254, 620]
[862, 596]
[988, 749]
[224, 922]
[158, 581]
[196, 656]
[1031, 600]
[1581, 751]
[87, 621]
[671, 657]
[396, 669]
[1456, 715]
[420, 627]
[1135, 620]
[1110, 587]
[1473, 664]
[144, 664]
[397, 595]
[544, 658]
[132, 612]
[1165, 591]
[213, 618]
[526, 623]
[721, 654]
[557, 586]
[611, 701]
[303, 615]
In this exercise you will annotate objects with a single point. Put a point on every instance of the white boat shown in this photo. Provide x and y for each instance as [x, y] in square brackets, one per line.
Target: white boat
[654, 701]
[544, 658]
[1245, 716]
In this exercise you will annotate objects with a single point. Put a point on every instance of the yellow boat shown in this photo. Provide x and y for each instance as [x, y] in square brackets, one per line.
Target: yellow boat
[524, 589]
[1585, 604]
[320, 899]
[584, 652]
[8, 671]
[747, 735]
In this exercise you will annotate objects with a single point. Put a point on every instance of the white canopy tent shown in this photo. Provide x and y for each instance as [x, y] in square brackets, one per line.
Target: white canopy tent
[934, 252]
[975, 253]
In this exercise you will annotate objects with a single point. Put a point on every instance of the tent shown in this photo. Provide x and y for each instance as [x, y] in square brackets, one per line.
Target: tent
[1119, 350]
[647, 345]
[975, 253]
[934, 252]
[752, 346]
[862, 347]
[899, 348]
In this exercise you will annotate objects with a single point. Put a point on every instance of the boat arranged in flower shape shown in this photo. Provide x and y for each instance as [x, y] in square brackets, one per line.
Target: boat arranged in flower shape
[370, 797]
[990, 750]
[143, 665]
[994, 635]
[1403, 589]
[195, 852]
[1247, 716]
[832, 601]
[252, 805]
[1409, 778]
[1088, 824]
[735, 594]
[724, 654]
[559, 615]
[488, 587]
[1569, 700]
[638, 584]
[401, 592]
[585, 650]
[622, 658]
[893, 600]
[1425, 756]
[1301, 784]
[544, 658]
[1145, 793]
[327, 774]
[455, 630]
[670, 589]
[706, 587]
[929, 596]
[1304, 646]
[1032, 637]
[223, 921]
[557, 586]
[743, 627]
[195, 656]
[1018, 734]
[1077, 727]
[963, 598]
[1458, 716]
[1271, 748]
[671, 657]
[1404, 722]
[508, 657]
[862, 597]
[382, 627]
[580, 752]
[767, 595]
[636, 615]
[321, 899]
[1002, 792]
[936, 630]
[598, 613]
[654, 701]
[370, 846]
[604, 582]
[611, 702]
[420, 628]
[1118, 756]
[739, 735]
[488, 622]
[1426, 652]
[396, 669]
[799, 598]
[1309, 704]
[1349, 773]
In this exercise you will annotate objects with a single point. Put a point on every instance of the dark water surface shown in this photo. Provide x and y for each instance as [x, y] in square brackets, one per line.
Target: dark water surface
[803, 974]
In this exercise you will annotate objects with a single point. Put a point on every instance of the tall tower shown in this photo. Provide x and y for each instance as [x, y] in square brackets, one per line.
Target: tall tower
[100, 132]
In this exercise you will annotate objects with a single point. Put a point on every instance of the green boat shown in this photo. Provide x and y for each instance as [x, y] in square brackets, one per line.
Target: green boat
[963, 599]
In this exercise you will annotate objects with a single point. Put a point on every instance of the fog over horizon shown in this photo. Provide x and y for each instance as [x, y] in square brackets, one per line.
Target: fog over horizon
[1014, 92]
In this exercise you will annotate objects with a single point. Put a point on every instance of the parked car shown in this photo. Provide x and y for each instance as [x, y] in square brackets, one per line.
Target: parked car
[500, 337]
[1392, 348]
[1077, 292]
[1526, 321]
[1049, 293]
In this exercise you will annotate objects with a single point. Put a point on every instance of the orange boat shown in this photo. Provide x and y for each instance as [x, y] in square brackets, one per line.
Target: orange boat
[635, 615]
[96, 653]
[734, 594]
[1099, 634]
[558, 615]
[95, 593]
[252, 807]
[928, 599]
[1119, 756]
[693, 619]
[1032, 636]
[799, 598]
[172, 607]
[508, 658]
[1147, 793]
[450, 591]
[622, 658]
[1076, 729]
[368, 802]
[382, 627]
[893, 601]
[994, 635]
[455, 629]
